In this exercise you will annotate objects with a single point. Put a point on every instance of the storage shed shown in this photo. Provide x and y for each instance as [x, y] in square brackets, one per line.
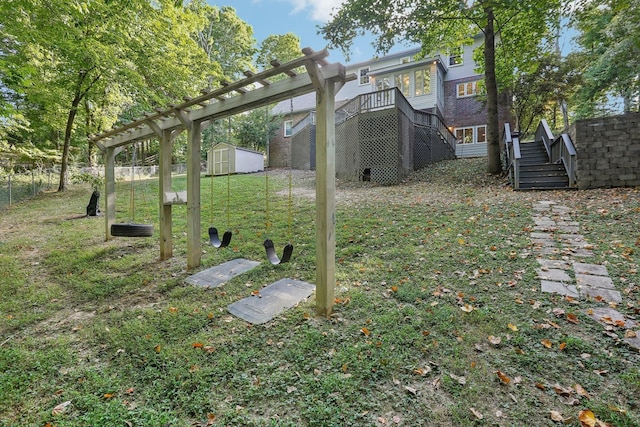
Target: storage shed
[225, 158]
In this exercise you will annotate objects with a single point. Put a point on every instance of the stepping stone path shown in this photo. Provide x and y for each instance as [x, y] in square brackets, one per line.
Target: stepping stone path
[562, 254]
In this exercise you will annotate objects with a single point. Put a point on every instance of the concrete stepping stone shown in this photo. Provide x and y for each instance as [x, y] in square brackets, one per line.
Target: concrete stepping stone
[560, 209]
[545, 250]
[554, 275]
[608, 295]
[544, 222]
[571, 229]
[553, 263]
[559, 288]
[603, 282]
[608, 316]
[581, 253]
[592, 269]
[541, 235]
[216, 276]
[543, 242]
[271, 301]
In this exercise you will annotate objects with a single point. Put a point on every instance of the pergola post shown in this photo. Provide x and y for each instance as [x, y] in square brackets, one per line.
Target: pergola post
[109, 189]
[325, 198]
[166, 220]
[194, 245]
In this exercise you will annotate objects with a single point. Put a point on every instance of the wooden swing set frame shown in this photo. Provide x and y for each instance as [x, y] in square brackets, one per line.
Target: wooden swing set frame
[195, 114]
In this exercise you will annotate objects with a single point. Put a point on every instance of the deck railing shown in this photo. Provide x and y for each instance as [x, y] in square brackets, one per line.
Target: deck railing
[513, 156]
[559, 150]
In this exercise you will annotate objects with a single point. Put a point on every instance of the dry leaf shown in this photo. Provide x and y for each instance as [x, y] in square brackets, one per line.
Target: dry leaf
[108, 395]
[198, 345]
[540, 386]
[411, 390]
[572, 318]
[460, 380]
[548, 344]
[505, 379]
[630, 334]
[365, 331]
[562, 391]
[587, 418]
[476, 413]
[157, 348]
[558, 312]
[494, 340]
[562, 345]
[59, 409]
[467, 308]
[557, 416]
[581, 391]
[173, 309]
[512, 327]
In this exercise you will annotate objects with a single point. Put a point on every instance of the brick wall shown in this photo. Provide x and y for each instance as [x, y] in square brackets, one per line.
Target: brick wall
[608, 151]
[280, 146]
[470, 111]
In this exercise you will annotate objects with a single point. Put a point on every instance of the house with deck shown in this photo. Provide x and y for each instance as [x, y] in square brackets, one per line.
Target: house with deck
[399, 114]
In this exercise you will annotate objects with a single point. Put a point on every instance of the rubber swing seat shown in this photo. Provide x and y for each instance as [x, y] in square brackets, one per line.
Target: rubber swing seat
[273, 256]
[214, 239]
[131, 230]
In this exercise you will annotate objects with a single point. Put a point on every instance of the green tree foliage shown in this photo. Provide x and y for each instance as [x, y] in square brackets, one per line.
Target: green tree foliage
[252, 130]
[446, 24]
[283, 48]
[225, 38]
[610, 49]
[65, 58]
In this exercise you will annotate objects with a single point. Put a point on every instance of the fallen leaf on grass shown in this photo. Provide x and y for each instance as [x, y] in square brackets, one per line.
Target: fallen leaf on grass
[365, 331]
[558, 312]
[476, 413]
[504, 378]
[59, 409]
[572, 318]
[411, 390]
[547, 343]
[197, 345]
[587, 418]
[460, 380]
[173, 309]
[494, 340]
[467, 308]
[513, 327]
[562, 346]
[562, 391]
[581, 391]
[557, 416]
[108, 395]
[630, 334]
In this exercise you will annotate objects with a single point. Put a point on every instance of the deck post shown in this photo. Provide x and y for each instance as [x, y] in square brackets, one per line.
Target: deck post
[325, 198]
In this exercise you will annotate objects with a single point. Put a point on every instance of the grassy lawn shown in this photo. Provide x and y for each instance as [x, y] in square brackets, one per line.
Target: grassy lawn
[96, 333]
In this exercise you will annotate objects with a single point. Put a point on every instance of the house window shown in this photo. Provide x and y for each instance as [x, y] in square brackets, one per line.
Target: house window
[471, 134]
[422, 82]
[402, 83]
[469, 88]
[405, 60]
[288, 127]
[363, 74]
[456, 57]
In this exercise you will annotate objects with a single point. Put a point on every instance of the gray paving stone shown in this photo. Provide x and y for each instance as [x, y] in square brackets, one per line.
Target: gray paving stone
[544, 242]
[608, 315]
[569, 228]
[541, 235]
[567, 222]
[634, 342]
[544, 228]
[559, 288]
[554, 275]
[582, 253]
[560, 209]
[544, 222]
[553, 263]
[220, 274]
[571, 237]
[577, 244]
[603, 282]
[592, 269]
[546, 202]
[608, 295]
[544, 250]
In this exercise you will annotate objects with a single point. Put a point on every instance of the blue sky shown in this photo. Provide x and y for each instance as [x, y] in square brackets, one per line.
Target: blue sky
[300, 17]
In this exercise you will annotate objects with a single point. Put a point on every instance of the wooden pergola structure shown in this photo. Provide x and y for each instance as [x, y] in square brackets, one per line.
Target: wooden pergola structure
[195, 114]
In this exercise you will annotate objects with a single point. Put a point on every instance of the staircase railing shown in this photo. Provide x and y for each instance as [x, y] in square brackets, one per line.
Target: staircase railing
[559, 150]
[512, 152]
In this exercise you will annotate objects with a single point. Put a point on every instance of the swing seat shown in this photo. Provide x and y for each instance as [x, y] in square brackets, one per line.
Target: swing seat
[273, 256]
[132, 230]
[214, 240]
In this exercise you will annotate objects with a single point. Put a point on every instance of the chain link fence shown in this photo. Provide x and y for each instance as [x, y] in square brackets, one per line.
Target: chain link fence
[16, 187]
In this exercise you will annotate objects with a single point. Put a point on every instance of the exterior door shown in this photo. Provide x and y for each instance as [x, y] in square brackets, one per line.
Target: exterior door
[221, 161]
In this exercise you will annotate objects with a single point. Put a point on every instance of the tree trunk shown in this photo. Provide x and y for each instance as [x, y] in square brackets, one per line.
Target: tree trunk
[494, 166]
[67, 143]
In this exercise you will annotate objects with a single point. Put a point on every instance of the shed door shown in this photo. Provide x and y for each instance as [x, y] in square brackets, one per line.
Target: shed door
[221, 161]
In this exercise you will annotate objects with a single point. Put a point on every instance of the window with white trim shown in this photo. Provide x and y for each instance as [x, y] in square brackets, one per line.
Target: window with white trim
[405, 60]
[363, 76]
[422, 82]
[471, 134]
[402, 83]
[456, 57]
[474, 88]
[288, 127]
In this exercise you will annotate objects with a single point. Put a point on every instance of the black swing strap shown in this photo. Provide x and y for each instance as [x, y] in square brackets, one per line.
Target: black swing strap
[273, 256]
[214, 239]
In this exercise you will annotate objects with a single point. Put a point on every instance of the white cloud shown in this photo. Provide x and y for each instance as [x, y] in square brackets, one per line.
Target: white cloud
[318, 10]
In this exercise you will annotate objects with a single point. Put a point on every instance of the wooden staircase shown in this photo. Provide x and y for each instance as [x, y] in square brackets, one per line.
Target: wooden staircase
[536, 173]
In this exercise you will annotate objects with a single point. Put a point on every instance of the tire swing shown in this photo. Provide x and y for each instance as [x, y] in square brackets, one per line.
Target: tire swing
[269, 246]
[214, 238]
[132, 229]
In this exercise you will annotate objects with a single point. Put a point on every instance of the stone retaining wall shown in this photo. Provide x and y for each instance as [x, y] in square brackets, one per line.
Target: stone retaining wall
[608, 151]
